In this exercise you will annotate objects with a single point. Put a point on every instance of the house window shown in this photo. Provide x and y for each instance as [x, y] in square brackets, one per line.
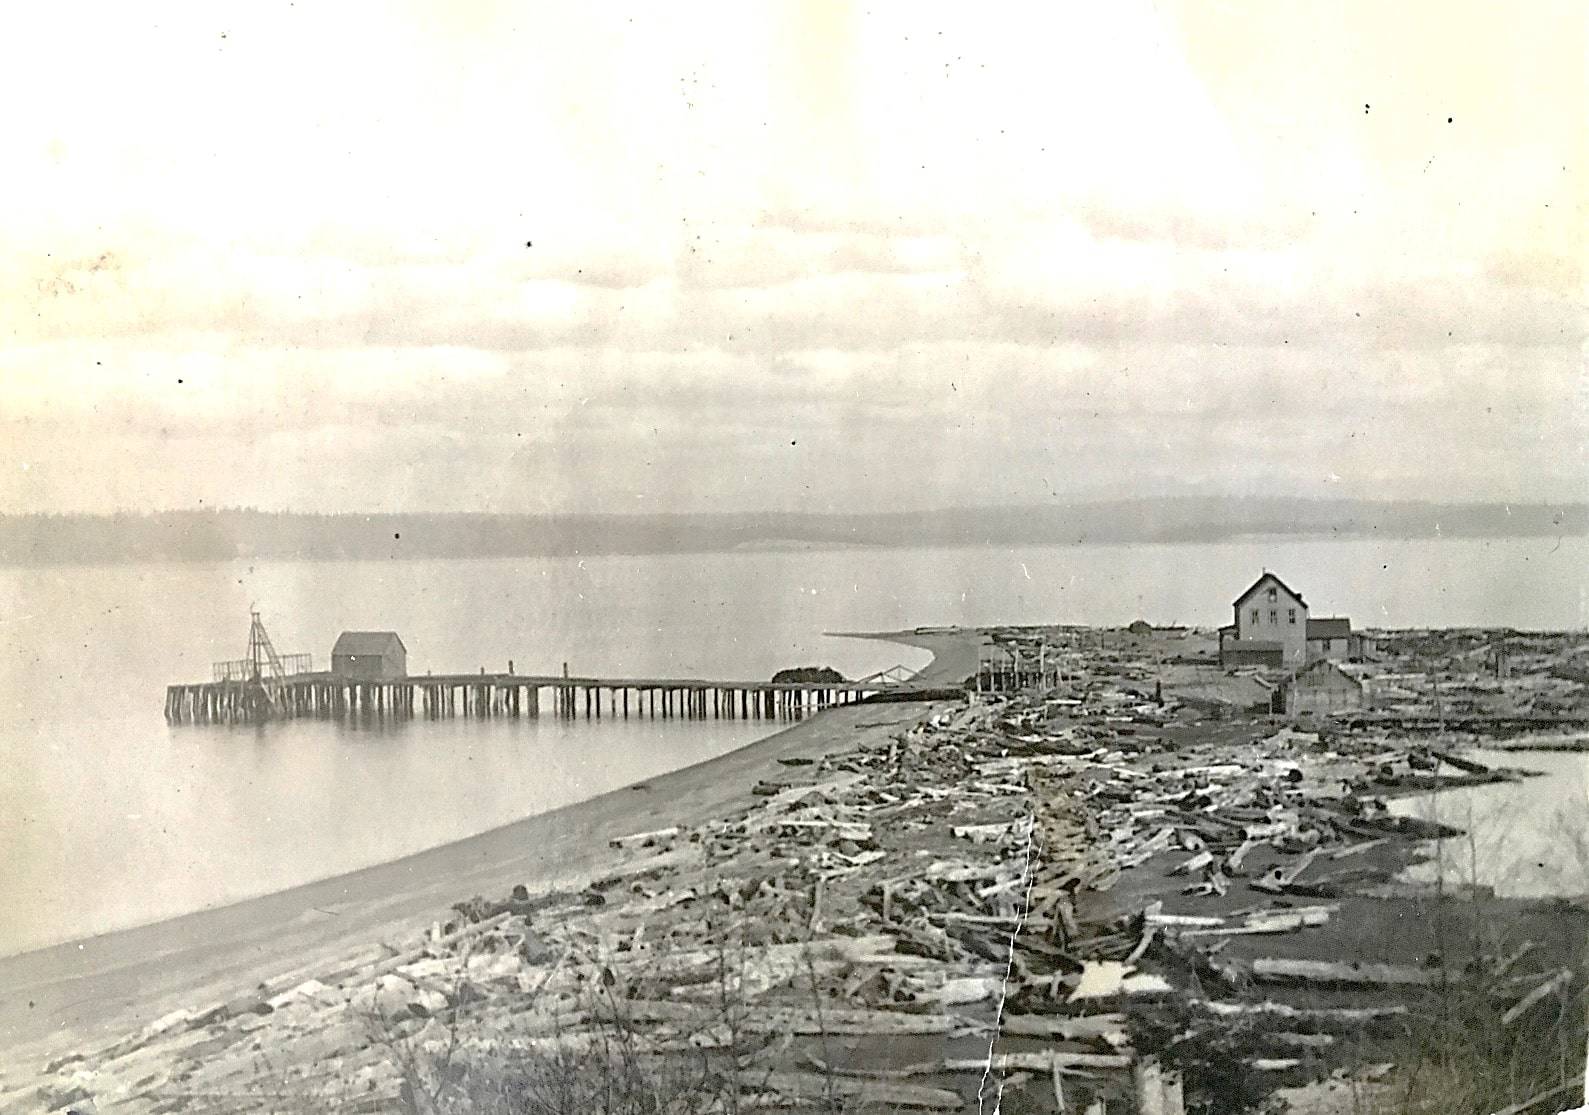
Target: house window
[1255, 615]
[1291, 614]
[1271, 594]
[1274, 616]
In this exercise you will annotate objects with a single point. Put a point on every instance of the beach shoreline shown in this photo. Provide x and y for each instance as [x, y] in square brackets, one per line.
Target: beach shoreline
[84, 990]
[954, 651]
[857, 876]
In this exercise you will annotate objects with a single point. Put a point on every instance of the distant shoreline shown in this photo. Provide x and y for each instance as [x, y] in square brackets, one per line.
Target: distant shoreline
[756, 550]
[227, 536]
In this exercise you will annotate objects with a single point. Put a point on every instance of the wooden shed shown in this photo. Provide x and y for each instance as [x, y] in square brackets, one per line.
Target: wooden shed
[1322, 688]
[369, 656]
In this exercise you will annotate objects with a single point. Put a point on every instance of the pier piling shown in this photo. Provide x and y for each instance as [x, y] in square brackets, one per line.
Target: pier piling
[327, 696]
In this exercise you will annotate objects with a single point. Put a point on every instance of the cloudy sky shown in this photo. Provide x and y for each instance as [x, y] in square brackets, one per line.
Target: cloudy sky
[519, 257]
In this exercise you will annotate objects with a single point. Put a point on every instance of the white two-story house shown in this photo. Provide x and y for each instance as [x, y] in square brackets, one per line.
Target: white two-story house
[1271, 628]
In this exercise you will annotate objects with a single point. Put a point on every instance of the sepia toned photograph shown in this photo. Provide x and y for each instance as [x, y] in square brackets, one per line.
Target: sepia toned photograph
[804, 556]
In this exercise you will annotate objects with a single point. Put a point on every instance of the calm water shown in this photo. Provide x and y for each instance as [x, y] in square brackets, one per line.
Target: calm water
[110, 818]
[1525, 839]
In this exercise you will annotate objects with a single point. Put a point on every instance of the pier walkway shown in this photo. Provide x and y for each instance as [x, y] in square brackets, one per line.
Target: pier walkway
[330, 696]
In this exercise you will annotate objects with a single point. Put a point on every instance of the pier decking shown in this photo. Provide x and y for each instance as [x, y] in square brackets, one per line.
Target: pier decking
[329, 696]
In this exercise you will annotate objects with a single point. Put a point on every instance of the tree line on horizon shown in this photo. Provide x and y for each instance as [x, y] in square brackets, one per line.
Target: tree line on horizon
[228, 534]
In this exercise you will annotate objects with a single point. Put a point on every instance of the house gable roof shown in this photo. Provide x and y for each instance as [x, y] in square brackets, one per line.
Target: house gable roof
[1265, 579]
[1331, 627]
[368, 642]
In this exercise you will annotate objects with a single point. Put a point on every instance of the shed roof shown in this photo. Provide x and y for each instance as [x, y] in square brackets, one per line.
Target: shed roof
[1332, 627]
[368, 642]
[1259, 583]
[1315, 671]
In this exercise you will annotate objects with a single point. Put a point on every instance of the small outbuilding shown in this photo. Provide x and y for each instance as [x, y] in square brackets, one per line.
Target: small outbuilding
[1334, 638]
[1321, 688]
[369, 656]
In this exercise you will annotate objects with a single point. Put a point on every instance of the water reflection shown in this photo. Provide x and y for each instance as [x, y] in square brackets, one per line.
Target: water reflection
[1525, 839]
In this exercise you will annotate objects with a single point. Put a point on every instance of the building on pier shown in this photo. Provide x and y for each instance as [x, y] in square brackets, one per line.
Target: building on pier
[369, 656]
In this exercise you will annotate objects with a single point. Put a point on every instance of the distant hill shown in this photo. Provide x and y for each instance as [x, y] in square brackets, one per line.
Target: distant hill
[227, 535]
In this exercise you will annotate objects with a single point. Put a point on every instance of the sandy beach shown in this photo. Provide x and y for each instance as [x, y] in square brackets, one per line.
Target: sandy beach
[954, 653]
[81, 991]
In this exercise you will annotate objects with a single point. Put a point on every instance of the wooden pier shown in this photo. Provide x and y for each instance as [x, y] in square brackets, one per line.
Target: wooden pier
[1011, 672]
[331, 697]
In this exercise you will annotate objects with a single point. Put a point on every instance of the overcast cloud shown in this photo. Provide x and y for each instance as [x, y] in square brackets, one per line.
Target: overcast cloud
[513, 257]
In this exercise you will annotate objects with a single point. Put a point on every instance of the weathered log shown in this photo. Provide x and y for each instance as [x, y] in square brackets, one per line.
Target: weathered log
[1278, 922]
[641, 839]
[796, 1020]
[1282, 970]
[1044, 1060]
[1559, 980]
[1088, 1027]
[1466, 765]
[1196, 863]
[1319, 1016]
[818, 1087]
[1201, 921]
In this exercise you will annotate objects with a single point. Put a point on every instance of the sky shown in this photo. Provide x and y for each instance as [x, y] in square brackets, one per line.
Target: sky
[813, 256]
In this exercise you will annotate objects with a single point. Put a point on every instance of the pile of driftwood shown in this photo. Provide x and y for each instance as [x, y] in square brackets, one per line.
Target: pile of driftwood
[1045, 897]
[918, 923]
[893, 926]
